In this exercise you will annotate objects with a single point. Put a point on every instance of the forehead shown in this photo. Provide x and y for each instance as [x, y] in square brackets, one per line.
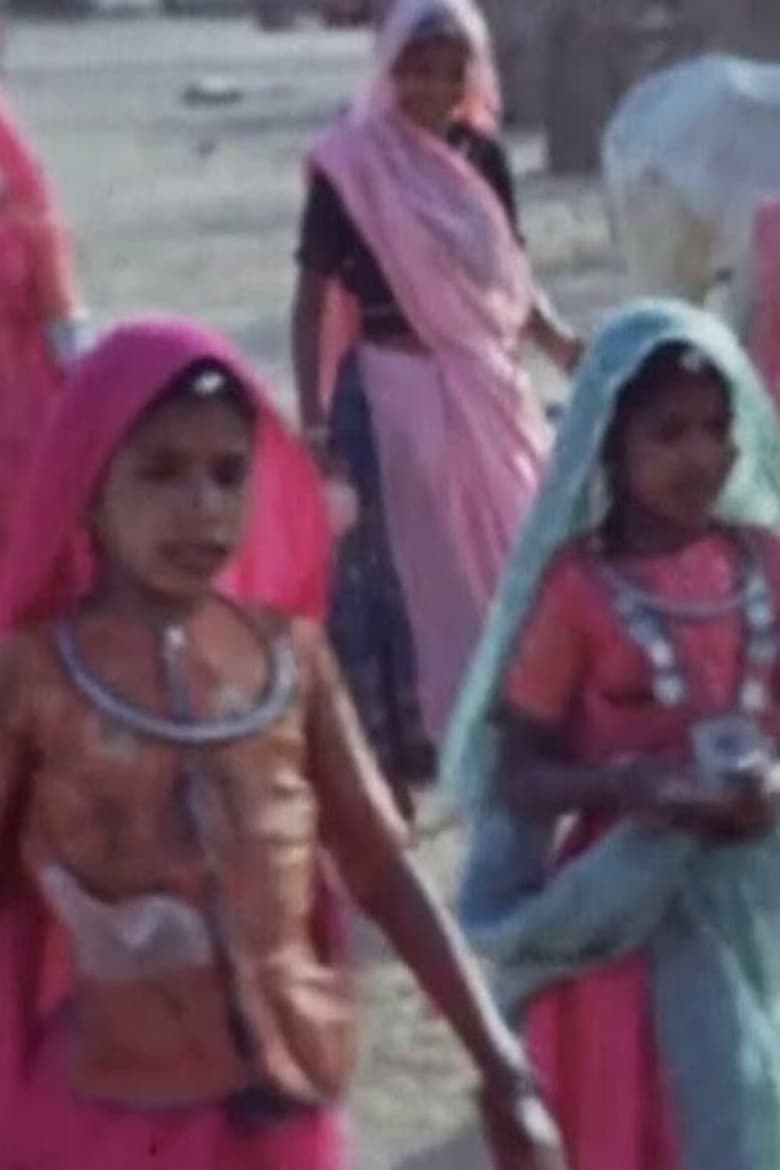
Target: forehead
[442, 49]
[214, 422]
[681, 393]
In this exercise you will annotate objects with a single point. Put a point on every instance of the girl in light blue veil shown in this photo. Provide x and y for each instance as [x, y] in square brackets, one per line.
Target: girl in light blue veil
[703, 917]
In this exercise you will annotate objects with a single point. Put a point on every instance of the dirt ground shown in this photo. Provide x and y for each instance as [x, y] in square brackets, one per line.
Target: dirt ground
[194, 209]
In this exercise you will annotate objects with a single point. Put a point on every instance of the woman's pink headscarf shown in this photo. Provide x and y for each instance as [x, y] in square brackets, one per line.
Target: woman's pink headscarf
[284, 558]
[422, 208]
[481, 107]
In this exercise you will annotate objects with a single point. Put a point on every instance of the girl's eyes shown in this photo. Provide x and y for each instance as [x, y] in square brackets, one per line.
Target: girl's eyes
[226, 472]
[676, 430]
[163, 468]
[230, 471]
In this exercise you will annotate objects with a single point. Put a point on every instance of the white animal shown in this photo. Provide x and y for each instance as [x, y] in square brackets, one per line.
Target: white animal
[687, 157]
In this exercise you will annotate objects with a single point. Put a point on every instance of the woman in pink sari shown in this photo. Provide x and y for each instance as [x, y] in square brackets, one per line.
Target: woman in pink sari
[40, 320]
[410, 214]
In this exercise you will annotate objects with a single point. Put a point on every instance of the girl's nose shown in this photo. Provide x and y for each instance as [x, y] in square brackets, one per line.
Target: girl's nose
[205, 496]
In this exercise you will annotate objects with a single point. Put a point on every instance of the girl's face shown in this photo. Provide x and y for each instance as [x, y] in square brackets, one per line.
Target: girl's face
[673, 456]
[430, 81]
[171, 509]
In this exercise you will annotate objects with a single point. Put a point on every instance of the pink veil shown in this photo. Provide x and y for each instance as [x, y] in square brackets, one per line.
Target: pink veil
[481, 109]
[28, 206]
[482, 105]
[285, 556]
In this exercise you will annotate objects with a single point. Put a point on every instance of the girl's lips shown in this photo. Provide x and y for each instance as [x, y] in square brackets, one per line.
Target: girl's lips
[200, 558]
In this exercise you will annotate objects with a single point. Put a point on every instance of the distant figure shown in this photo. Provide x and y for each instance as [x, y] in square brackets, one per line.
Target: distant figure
[410, 224]
[41, 322]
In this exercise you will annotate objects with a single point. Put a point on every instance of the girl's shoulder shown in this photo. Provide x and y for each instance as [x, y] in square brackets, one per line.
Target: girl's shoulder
[573, 569]
[306, 637]
[28, 663]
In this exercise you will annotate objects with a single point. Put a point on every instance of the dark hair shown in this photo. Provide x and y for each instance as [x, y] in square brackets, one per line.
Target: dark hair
[438, 24]
[664, 364]
[206, 380]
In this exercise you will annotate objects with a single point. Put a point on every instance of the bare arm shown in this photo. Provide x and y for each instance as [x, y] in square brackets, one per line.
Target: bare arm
[307, 325]
[368, 840]
[553, 337]
[535, 777]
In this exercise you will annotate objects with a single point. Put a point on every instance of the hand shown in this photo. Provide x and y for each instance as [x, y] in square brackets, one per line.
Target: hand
[519, 1130]
[341, 499]
[752, 807]
[671, 795]
[343, 505]
[573, 353]
[744, 808]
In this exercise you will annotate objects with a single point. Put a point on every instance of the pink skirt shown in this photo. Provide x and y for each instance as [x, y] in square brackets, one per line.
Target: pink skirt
[460, 466]
[593, 1042]
[44, 1126]
[51, 1130]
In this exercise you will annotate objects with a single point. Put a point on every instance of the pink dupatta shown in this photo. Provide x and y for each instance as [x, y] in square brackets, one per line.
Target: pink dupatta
[28, 208]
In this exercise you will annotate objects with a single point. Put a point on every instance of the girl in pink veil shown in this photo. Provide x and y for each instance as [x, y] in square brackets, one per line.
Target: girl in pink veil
[177, 757]
[412, 254]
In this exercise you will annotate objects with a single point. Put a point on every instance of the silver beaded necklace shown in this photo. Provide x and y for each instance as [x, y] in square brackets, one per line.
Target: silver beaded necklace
[646, 618]
[266, 708]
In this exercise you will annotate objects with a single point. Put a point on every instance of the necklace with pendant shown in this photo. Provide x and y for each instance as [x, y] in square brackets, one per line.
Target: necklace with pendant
[733, 741]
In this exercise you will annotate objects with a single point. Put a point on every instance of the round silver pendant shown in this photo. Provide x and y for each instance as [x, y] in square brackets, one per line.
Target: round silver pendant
[669, 689]
[661, 654]
[754, 697]
[760, 614]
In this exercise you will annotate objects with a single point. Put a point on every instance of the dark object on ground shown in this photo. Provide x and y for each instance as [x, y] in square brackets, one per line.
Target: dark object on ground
[212, 91]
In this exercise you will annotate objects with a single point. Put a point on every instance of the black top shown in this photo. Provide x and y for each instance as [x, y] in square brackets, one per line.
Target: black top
[333, 247]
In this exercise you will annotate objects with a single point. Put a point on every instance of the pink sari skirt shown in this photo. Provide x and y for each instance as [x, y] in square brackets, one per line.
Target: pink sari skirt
[593, 1043]
[459, 471]
[50, 1129]
[45, 1126]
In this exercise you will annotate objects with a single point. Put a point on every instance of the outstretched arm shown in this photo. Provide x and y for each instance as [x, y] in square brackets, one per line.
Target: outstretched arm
[368, 839]
[307, 328]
